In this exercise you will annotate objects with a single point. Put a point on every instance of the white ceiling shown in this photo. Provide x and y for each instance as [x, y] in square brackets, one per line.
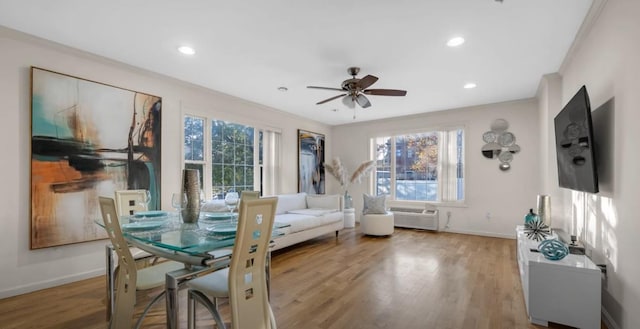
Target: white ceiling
[250, 48]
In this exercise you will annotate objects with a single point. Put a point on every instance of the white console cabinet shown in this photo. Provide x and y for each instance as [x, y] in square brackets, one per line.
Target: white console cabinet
[565, 291]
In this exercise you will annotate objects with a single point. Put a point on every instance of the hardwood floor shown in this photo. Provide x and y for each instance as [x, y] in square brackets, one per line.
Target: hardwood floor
[413, 279]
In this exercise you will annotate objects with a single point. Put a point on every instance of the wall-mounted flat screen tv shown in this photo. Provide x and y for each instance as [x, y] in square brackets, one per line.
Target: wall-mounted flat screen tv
[575, 146]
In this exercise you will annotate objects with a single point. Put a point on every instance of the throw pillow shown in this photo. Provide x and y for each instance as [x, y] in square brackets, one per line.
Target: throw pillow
[374, 204]
[288, 202]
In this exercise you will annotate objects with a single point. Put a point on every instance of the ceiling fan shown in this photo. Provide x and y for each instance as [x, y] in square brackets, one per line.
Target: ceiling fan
[354, 90]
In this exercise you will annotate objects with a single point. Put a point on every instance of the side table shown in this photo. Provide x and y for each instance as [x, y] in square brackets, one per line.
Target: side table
[349, 217]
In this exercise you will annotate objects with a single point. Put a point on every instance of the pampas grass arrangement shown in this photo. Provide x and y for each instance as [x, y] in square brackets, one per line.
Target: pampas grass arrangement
[338, 170]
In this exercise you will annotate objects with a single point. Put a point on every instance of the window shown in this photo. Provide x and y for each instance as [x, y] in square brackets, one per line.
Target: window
[233, 157]
[194, 148]
[237, 158]
[427, 166]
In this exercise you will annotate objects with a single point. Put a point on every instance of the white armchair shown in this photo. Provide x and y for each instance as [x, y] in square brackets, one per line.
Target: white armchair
[377, 224]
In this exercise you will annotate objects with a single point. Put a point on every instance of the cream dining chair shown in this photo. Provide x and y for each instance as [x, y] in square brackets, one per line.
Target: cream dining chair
[130, 201]
[244, 195]
[249, 195]
[244, 282]
[127, 203]
[129, 279]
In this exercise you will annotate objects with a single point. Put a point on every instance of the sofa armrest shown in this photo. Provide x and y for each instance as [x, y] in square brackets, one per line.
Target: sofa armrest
[330, 201]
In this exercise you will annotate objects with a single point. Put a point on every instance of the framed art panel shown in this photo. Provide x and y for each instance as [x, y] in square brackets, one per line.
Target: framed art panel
[88, 139]
[311, 176]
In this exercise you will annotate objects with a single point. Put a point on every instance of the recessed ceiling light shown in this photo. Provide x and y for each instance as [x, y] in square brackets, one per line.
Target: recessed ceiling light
[454, 42]
[186, 50]
[283, 89]
[469, 85]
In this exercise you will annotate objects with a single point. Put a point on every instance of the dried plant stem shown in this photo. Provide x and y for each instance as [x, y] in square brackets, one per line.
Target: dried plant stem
[337, 170]
[362, 170]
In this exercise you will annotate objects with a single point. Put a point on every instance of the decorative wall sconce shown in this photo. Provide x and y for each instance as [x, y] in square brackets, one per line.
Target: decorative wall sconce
[500, 144]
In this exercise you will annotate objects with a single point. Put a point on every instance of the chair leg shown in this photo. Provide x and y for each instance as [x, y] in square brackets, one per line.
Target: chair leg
[206, 302]
[191, 311]
[272, 319]
[146, 309]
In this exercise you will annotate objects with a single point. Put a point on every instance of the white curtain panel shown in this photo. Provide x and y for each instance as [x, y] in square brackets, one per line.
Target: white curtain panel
[271, 159]
[449, 179]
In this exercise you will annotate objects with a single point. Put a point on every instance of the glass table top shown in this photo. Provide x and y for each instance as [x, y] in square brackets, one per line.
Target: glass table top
[166, 230]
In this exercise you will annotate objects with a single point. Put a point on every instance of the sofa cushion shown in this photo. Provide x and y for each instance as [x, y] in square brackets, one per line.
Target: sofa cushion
[324, 201]
[374, 204]
[304, 222]
[288, 202]
[312, 211]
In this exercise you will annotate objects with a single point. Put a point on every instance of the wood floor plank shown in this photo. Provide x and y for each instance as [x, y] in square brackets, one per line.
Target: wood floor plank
[413, 279]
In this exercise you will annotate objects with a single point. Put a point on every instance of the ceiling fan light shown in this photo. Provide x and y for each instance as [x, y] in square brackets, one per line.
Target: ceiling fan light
[348, 102]
[363, 101]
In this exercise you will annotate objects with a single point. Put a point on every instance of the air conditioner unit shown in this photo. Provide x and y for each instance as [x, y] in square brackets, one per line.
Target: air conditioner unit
[425, 219]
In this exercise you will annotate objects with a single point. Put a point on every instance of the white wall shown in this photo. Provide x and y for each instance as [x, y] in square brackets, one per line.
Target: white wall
[505, 195]
[24, 270]
[605, 59]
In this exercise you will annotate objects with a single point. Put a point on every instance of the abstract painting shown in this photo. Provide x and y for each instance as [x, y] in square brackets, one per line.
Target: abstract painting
[310, 162]
[88, 139]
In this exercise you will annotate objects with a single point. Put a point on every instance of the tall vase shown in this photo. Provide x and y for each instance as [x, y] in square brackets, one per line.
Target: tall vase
[348, 201]
[191, 188]
[544, 210]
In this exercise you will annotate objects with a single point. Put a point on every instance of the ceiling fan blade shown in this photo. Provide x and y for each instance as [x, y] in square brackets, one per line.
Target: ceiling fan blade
[385, 92]
[363, 101]
[329, 99]
[367, 81]
[325, 88]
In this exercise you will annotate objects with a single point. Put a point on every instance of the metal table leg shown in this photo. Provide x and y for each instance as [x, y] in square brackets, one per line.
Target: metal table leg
[172, 284]
[172, 301]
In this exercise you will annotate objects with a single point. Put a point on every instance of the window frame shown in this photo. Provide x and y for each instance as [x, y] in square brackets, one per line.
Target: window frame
[391, 198]
[206, 148]
[207, 163]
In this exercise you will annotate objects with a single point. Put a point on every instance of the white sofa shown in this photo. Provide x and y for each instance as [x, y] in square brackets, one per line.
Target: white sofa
[308, 216]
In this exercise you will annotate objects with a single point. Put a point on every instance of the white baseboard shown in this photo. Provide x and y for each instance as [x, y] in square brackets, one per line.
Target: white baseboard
[482, 233]
[50, 283]
[608, 320]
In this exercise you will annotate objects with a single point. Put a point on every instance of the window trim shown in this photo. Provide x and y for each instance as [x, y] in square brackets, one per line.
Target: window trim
[207, 163]
[439, 128]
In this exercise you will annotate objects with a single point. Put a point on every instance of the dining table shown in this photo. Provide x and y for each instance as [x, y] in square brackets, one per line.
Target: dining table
[203, 247]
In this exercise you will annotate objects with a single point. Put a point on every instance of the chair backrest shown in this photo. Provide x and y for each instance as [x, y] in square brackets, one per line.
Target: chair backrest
[127, 273]
[249, 195]
[130, 201]
[247, 279]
